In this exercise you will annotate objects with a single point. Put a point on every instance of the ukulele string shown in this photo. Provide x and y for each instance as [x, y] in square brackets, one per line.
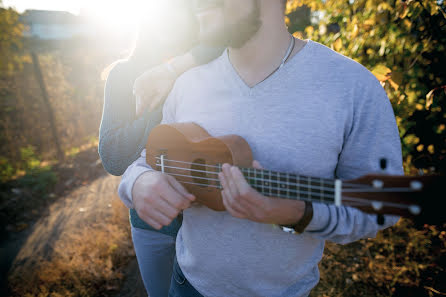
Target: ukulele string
[322, 196]
[347, 190]
[353, 201]
[326, 181]
[302, 192]
[249, 178]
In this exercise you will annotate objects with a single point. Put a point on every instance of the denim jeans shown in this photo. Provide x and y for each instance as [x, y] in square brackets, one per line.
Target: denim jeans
[155, 253]
[179, 286]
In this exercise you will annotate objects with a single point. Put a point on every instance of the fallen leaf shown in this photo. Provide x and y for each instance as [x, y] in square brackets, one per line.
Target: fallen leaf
[430, 98]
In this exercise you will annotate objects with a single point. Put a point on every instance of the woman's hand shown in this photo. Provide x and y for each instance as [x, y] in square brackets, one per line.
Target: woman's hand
[155, 84]
[152, 87]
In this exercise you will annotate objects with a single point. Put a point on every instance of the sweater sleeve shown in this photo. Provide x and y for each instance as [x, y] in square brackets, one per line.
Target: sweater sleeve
[372, 135]
[122, 136]
[140, 166]
[204, 54]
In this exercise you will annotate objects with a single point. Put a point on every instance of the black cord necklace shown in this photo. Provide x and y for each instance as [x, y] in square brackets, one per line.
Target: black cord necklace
[285, 58]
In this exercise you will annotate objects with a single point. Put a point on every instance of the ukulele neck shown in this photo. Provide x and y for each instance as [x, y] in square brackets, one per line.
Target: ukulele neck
[293, 186]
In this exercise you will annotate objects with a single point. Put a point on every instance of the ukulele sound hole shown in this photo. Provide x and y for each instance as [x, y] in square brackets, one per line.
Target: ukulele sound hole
[199, 174]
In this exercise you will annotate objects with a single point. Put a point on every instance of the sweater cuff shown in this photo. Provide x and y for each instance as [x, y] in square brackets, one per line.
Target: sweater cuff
[321, 218]
[126, 187]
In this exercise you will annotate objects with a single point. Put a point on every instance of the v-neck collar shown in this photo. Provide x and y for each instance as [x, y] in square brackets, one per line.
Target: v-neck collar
[247, 90]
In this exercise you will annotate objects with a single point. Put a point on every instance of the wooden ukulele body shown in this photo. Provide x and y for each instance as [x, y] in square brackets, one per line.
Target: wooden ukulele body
[200, 155]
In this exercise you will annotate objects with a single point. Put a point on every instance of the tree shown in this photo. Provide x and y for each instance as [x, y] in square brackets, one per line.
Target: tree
[10, 42]
[403, 43]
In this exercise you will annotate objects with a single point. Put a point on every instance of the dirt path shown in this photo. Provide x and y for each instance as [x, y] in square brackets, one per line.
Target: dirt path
[81, 208]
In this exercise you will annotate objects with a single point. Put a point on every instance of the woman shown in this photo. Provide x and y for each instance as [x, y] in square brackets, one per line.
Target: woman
[134, 94]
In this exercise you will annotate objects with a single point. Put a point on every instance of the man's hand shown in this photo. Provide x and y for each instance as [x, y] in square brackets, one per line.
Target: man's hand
[242, 201]
[158, 198]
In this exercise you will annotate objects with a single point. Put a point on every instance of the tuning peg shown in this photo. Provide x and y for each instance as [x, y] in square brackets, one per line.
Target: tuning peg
[380, 220]
[383, 163]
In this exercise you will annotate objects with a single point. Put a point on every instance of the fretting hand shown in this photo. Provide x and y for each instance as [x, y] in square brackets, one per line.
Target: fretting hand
[244, 202]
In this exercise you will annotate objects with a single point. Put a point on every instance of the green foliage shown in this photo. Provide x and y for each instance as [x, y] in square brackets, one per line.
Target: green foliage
[38, 180]
[35, 177]
[29, 159]
[10, 42]
[6, 170]
[403, 44]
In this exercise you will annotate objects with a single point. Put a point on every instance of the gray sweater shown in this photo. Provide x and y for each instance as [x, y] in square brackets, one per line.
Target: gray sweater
[321, 115]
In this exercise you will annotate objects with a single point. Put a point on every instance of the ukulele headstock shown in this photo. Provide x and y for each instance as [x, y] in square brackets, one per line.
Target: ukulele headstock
[417, 197]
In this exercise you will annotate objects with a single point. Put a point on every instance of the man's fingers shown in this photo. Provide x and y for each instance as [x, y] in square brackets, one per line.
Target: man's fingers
[256, 164]
[165, 208]
[230, 185]
[158, 217]
[179, 188]
[230, 207]
[151, 222]
[240, 182]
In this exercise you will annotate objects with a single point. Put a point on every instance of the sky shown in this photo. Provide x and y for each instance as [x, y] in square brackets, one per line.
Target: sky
[73, 6]
[117, 12]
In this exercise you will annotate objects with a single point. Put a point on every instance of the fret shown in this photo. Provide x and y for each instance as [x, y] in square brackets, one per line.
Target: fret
[292, 186]
[268, 183]
[248, 176]
[302, 188]
[309, 188]
[274, 184]
[262, 183]
[321, 190]
[219, 169]
[282, 185]
[289, 186]
[252, 177]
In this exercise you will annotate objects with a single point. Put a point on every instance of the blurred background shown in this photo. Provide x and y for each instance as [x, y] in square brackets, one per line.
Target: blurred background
[63, 230]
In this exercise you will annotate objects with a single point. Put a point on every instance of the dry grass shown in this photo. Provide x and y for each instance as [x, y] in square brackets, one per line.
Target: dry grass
[89, 261]
[400, 261]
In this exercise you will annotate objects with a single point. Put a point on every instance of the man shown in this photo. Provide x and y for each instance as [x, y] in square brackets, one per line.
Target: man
[318, 114]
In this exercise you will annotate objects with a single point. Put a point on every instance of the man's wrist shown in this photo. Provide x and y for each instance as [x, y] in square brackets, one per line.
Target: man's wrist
[136, 184]
[303, 222]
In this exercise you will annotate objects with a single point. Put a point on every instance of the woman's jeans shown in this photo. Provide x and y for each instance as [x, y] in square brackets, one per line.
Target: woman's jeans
[180, 286]
[155, 253]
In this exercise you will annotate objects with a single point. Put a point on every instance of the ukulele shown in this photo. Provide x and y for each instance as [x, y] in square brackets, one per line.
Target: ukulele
[187, 152]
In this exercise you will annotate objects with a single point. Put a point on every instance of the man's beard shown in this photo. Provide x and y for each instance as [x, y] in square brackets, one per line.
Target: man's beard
[238, 34]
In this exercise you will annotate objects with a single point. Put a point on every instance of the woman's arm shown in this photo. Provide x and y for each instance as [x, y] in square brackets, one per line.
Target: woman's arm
[153, 86]
[122, 136]
[125, 126]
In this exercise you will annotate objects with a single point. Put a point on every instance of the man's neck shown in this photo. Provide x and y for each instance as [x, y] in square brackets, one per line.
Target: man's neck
[264, 52]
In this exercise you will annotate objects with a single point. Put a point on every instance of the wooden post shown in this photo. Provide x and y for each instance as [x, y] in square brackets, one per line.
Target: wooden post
[40, 80]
